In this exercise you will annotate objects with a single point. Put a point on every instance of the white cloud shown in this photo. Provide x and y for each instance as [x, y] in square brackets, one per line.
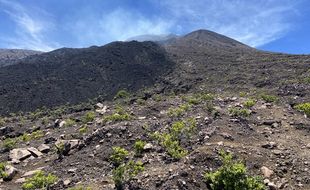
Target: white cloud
[29, 29]
[252, 22]
[119, 24]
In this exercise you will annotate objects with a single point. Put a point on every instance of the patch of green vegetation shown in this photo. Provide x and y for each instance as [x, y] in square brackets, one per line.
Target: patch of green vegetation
[171, 145]
[69, 122]
[119, 115]
[44, 120]
[125, 172]
[118, 155]
[122, 94]
[198, 98]
[232, 175]
[242, 94]
[2, 170]
[140, 101]
[307, 80]
[184, 127]
[139, 146]
[39, 181]
[2, 122]
[157, 97]
[239, 112]
[249, 103]
[9, 143]
[179, 111]
[269, 98]
[304, 107]
[83, 129]
[89, 117]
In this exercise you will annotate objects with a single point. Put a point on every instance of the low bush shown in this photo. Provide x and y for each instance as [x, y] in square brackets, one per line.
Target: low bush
[232, 175]
[122, 94]
[139, 146]
[118, 155]
[305, 108]
[179, 111]
[89, 117]
[269, 98]
[239, 112]
[249, 103]
[39, 181]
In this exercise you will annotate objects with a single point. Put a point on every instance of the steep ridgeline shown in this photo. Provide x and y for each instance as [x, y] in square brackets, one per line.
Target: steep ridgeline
[74, 75]
[13, 56]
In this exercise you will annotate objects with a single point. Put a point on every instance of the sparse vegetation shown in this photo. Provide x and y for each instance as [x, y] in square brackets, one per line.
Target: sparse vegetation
[69, 122]
[239, 112]
[83, 129]
[122, 94]
[118, 155]
[138, 146]
[9, 143]
[232, 175]
[269, 98]
[184, 127]
[80, 187]
[2, 170]
[179, 111]
[171, 145]
[249, 103]
[119, 115]
[125, 172]
[89, 117]
[39, 181]
[304, 107]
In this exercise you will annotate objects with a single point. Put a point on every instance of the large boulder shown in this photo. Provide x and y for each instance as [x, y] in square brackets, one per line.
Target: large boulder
[10, 173]
[19, 154]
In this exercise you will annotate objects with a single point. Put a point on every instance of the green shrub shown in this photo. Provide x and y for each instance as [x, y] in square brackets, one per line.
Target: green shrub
[179, 111]
[242, 94]
[39, 181]
[140, 101]
[2, 170]
[249, 103]
[305, 107]
[121, 94]
[171, 145]
[139, 146]
[83, 129]
[26, 137]
[269, 98]
[89, 117]
[125, 172]
[157, 97]
[2, 122]
[69, 122]
[232, 175]
[238, 112]
[9, 143]
[119, 115]
[118, 155]
[185, 127]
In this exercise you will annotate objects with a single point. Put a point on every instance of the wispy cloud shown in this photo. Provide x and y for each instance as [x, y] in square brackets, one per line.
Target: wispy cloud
[29, 32]
[254, 22]
[118, 24]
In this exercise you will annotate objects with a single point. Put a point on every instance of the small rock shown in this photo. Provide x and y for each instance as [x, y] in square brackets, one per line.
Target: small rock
[5, 130]
[148, 146]
[44, 148]
[20, 180]
[72, 170]
[221, 143]
[19, 154]
[62, 123]
[35, 152]
[308, 145]
[67, 182]
[10, 171]
[269, 145]
[266, 171]
[277, 152]
[99, 105]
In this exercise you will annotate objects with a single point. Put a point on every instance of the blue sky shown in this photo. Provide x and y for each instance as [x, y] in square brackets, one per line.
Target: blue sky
[274, 25]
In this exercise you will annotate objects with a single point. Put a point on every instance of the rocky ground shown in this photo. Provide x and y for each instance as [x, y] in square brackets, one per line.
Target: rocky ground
[270, 137]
